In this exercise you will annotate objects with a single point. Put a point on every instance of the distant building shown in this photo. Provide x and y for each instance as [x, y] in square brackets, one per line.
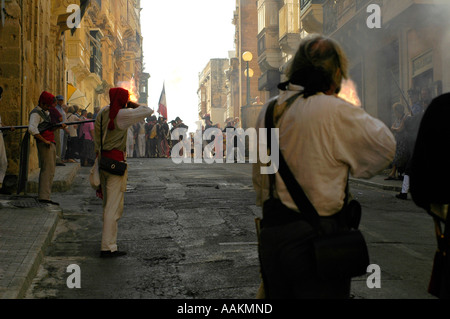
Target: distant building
[213, 91]
[246, 22]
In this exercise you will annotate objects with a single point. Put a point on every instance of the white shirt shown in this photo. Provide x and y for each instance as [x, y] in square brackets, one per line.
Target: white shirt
[322, 139]
[128, 116]
[35, 120]
[72, 128]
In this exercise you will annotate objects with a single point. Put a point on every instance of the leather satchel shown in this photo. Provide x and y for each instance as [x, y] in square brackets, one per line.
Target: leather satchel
[340, 255]
[112, 166]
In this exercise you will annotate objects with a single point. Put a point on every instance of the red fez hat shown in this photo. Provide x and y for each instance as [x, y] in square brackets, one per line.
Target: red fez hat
[47, 98]
[119, 98]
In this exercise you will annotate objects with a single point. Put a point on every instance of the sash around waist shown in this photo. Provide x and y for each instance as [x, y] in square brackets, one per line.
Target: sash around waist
[116, 155]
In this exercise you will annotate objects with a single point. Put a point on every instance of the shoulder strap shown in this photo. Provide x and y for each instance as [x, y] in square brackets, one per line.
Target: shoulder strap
[294, 188]
[102, 137]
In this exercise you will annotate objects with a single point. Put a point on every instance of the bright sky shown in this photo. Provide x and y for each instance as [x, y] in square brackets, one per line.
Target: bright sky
[180, 37]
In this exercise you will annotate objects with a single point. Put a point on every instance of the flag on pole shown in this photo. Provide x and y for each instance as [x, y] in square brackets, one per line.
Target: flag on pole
[162, 108]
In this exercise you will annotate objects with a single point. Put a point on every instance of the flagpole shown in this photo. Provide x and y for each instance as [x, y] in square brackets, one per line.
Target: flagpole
[162, 105]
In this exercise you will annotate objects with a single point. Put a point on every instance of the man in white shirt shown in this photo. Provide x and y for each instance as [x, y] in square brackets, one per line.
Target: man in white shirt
[113, 122]
[322, 139]
[40, 127]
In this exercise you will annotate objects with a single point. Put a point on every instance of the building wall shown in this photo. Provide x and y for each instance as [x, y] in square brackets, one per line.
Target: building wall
[409, 51]
[32, 51]
[38, 52]
[246, 22]
[213, 84]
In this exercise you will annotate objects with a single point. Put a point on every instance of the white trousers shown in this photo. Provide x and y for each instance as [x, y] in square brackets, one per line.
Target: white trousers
[130, 144]
[141, 145]
[405, 185]
[113, 188]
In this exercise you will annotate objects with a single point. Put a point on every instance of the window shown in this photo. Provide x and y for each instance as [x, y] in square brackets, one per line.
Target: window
[95, 53]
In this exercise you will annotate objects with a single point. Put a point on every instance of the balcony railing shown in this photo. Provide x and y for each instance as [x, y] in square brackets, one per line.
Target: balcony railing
[329, 17]
[304, 4]
[96, 66]
[334, 10]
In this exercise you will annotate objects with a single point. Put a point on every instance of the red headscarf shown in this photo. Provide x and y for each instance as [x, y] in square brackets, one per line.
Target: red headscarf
[47, 98]
[119, 98]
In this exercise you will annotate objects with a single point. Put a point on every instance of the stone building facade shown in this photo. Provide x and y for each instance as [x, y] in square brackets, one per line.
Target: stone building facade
[213, 91]
[409, 50]
[246, 23]
[40, 52]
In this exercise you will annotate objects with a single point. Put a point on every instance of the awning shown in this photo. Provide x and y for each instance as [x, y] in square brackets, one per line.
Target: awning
[75, 96]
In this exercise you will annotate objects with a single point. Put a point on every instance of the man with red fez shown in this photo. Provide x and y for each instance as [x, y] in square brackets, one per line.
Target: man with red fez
[40, 126]
[113, 121]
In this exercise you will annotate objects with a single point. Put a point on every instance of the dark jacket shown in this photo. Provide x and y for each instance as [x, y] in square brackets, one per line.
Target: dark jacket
[430, 171]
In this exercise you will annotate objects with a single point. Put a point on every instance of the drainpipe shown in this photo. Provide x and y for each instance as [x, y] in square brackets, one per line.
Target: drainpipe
[22, 51]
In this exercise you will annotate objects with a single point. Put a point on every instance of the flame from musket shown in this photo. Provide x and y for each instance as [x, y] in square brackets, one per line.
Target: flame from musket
[349, 93]
[131, 87]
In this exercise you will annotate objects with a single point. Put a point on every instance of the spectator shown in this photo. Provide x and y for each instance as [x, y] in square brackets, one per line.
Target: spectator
[412, 124]
[402, 150]
[87, 156]
[72, 139]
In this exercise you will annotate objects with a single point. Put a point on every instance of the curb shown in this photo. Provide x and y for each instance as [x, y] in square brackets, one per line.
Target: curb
[60, 185]
[385, 187]
[35, 227]
[29, 267]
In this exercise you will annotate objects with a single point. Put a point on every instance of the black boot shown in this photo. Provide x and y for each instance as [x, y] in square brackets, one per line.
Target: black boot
[403, 196]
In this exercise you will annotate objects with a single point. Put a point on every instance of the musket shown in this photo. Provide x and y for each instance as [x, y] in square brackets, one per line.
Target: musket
[6, 128]
[401, 91]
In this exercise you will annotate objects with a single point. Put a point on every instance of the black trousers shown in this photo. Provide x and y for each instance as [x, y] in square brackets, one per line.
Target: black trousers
[288, 263]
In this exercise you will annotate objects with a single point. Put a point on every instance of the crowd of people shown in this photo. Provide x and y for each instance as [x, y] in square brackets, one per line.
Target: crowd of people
[151, 138]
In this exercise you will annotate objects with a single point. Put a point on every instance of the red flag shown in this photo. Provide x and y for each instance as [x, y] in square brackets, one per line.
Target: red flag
[162, 108]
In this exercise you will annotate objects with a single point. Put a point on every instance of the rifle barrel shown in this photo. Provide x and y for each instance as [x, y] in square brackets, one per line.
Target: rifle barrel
[6, 128]
[401, 91]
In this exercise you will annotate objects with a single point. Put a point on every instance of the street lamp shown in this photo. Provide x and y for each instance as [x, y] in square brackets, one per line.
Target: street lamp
[247, 57]
[250, 72]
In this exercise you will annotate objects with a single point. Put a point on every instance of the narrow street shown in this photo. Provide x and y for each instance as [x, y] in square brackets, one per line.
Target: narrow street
[189, 233]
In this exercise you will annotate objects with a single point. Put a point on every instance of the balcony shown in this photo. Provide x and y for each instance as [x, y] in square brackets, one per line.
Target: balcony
[289, 27]
[311, 13]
